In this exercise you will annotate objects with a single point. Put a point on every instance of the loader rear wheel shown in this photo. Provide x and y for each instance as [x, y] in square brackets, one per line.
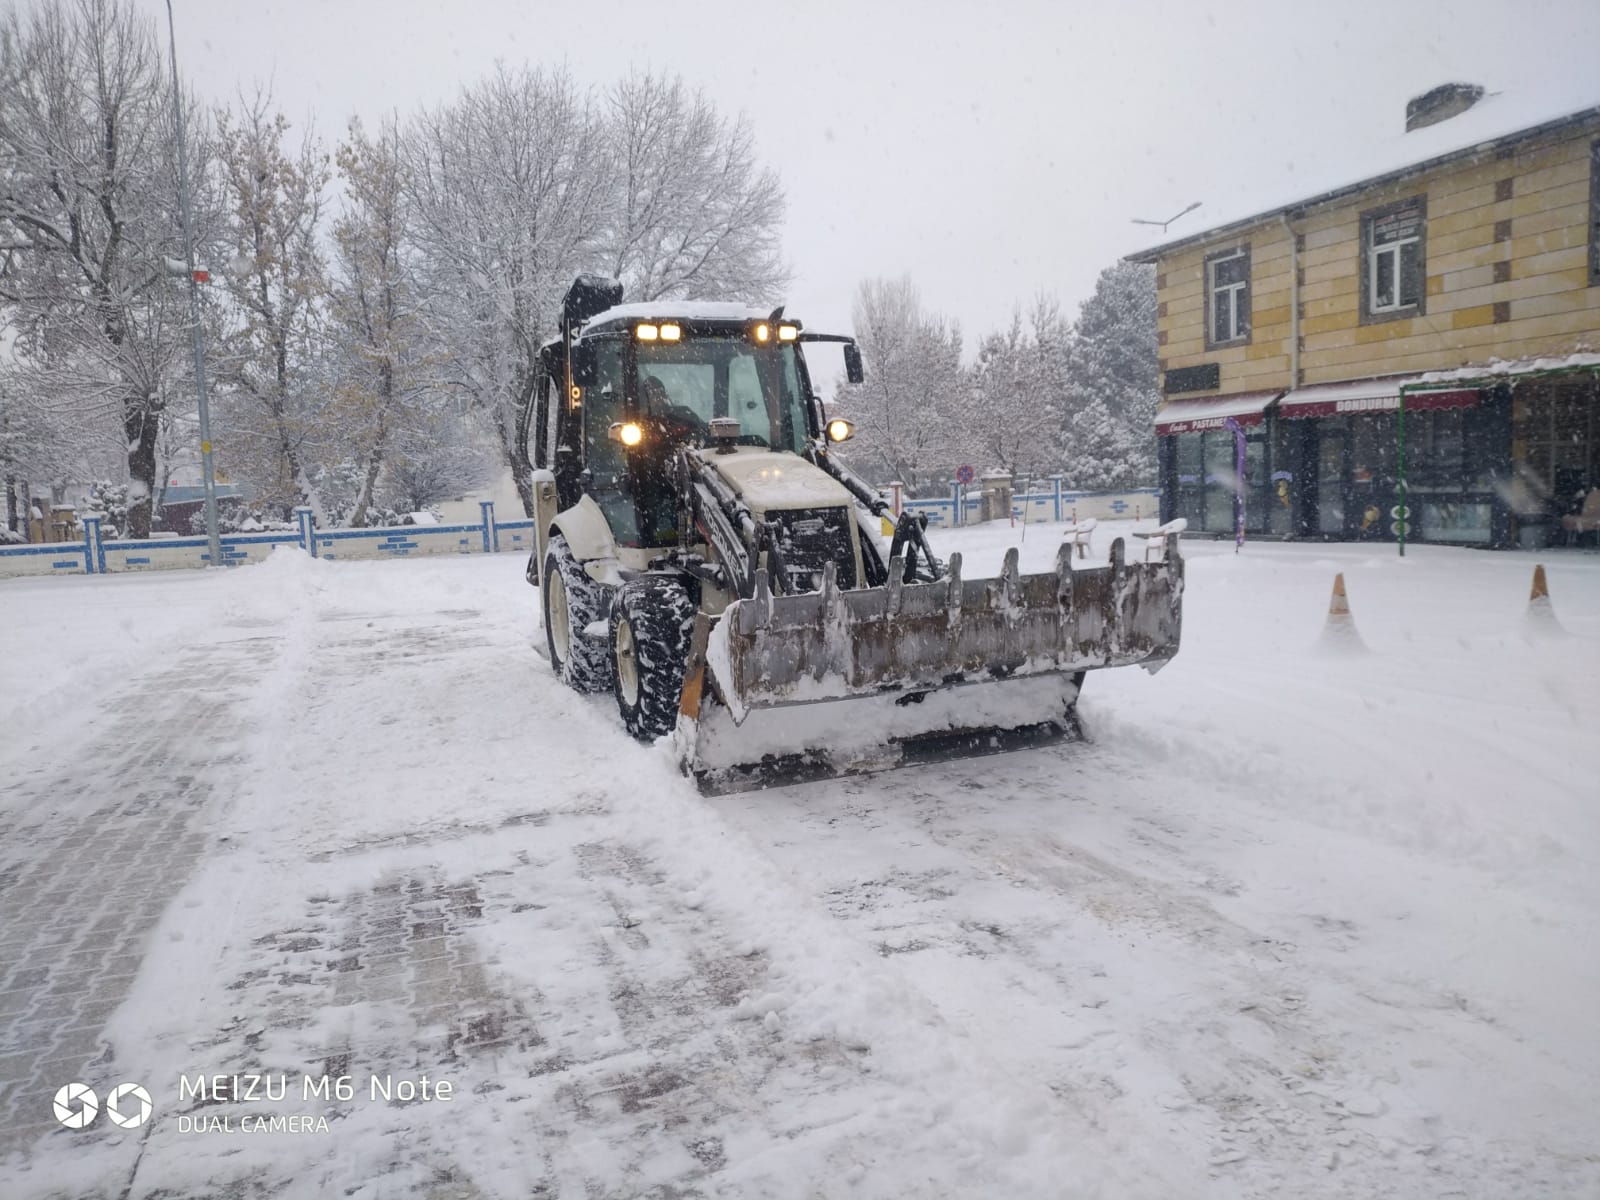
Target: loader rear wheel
[651, 623]
[572, 603]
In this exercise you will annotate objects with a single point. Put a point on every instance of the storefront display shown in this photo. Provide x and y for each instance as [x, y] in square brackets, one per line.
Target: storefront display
[1332, 461]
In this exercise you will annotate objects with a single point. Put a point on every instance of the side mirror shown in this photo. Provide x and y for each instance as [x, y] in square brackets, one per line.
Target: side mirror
[852, 363]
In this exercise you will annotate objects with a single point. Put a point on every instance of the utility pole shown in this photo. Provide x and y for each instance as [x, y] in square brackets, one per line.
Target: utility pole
[208, 474]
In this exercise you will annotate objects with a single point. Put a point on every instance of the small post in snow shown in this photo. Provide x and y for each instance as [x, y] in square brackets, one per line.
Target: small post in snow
[308, 537]
[491, 531]
[94, 555]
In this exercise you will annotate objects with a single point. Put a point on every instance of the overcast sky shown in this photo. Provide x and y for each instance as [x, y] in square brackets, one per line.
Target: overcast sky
[990, 150]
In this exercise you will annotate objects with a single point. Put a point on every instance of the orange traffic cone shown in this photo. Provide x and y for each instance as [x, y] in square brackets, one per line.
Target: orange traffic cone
[1541, 614]
[1340, 631]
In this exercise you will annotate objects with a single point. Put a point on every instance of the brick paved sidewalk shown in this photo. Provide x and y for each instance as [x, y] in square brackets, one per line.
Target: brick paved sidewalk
[82, 893]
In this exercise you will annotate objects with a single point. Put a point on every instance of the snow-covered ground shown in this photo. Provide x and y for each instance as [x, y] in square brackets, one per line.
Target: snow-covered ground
[1300, 920]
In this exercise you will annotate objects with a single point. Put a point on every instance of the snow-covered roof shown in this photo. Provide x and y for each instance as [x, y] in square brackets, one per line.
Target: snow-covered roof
[1498, 117]
[182, 493]
[1210, 412]
[682, 310]
[1358, 389]
[1514, 366]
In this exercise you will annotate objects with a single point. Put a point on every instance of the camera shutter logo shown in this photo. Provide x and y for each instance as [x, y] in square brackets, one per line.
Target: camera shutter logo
[76, 1105]
[128, 1105]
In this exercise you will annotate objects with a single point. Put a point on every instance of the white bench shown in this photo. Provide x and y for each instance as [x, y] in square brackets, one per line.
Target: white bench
[1078, 535]
[1156, 539]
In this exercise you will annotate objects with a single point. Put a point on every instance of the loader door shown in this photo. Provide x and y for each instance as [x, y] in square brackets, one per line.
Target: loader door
[559, 445]
[540, 431]
[605, 473]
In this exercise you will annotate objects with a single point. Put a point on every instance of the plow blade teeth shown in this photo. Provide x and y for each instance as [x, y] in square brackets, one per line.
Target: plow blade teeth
[845, 682]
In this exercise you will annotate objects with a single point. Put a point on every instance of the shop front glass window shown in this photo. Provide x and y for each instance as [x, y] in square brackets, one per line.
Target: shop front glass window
[1221, 479]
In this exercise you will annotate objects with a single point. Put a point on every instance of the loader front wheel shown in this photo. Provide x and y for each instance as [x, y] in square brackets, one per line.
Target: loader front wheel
[572, 603]
[651, 623]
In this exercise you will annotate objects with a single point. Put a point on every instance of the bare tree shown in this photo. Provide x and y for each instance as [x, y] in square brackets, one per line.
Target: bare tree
[374, 303]
[908, 413]
[435, 457]
[510, 185]
[275, 282]
[694, 215]
[1015, 414]
[88, 223]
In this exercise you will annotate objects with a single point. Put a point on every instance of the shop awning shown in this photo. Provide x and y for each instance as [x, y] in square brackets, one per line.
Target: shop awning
[1187, 416]
[1372, 395]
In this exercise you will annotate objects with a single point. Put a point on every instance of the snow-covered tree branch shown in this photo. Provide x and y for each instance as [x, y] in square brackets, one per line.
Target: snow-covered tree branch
[693, 214]
[88, 213]
[269, 355]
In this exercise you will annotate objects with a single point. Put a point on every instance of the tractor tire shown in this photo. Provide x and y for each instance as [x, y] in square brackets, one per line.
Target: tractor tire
[572, 602]
[651, 625]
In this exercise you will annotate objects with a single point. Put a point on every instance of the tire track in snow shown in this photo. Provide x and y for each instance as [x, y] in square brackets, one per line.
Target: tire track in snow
[1142, 1005]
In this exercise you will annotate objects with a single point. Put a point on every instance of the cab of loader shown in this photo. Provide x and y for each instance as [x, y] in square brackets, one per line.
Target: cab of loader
[643, 386]
[678, 453]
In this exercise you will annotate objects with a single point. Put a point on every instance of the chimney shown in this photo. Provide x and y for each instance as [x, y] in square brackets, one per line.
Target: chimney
[1440, 104]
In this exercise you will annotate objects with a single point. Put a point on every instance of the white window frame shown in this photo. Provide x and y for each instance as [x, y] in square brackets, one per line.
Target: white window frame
[1232, 291]
[1374, 252]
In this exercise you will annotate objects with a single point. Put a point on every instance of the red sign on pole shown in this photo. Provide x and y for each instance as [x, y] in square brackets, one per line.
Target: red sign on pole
[964, 475]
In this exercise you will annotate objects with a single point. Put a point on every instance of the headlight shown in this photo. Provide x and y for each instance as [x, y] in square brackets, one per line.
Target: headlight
[840, 430]
[646, 333]
[626, 432]
[762, 333]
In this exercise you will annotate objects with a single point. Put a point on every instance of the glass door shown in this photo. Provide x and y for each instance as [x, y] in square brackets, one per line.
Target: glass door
[1257, 487]
[1331, 438]
[1373, 466]
[1221, 480]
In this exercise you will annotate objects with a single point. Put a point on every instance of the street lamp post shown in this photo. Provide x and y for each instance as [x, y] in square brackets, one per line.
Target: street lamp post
[208, 474]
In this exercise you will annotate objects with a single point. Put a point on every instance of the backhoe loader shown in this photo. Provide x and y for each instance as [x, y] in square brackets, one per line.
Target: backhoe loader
[702, 553]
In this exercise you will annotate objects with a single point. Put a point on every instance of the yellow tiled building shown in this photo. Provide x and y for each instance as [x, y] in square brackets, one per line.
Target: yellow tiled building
[1421, 345]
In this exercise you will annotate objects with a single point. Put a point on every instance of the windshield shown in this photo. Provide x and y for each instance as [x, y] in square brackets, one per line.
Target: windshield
[705, 377]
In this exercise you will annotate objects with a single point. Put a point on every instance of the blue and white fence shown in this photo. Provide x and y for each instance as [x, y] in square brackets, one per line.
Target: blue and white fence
[93, 555]
[1056, 504]
[96, 556]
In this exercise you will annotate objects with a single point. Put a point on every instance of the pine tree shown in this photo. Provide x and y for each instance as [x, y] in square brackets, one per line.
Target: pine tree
[1110, 398]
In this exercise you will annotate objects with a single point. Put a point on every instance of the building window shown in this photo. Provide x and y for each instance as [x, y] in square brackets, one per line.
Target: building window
[1436, 445]
[1557, 431]
[1228, 297]
[1394, 260]
[1594, 214]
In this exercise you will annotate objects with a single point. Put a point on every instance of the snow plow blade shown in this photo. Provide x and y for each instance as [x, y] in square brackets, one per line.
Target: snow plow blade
[786, 689]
